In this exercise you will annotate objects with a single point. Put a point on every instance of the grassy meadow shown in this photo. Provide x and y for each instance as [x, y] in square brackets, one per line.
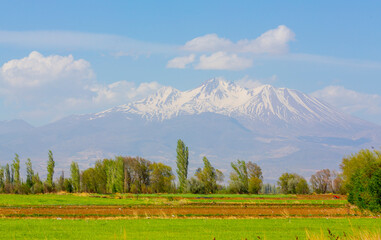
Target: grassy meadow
[180, 216]
[155, 199]
[181, 228]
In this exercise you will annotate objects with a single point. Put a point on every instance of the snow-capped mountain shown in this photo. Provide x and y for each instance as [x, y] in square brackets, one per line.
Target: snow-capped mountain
[280, 129]
[265, 104]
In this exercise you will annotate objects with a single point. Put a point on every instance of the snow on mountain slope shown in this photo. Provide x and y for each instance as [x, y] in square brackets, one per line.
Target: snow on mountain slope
[280, 129]
[265, 104]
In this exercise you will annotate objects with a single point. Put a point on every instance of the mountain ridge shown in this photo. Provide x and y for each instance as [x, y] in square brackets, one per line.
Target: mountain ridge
[265, 104]
[279, 128]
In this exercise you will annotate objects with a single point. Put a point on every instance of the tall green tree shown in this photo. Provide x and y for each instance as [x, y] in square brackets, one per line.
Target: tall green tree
[38, 186]
[182, 164]
[292, 183]
[29, 173]
[255, 177]
[239, 180]
[364, 186]
[111, 172]
[7, 174]
[60, 186]
[161, 178]
[100, 176]
[50, 168]
[75, 176]
[89, 182]
[136, 174]
[8, 181]
[355, 162]
[2, 182]
[115, 175]
[16, 169]
[207, 177]
[142, 173]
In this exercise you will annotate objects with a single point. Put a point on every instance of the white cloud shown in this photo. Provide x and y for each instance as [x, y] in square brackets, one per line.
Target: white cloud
[225, 54]
[274, 41]
[207, 43]
[352, 102]
[36, 69]
[181, 62]
[42, 89]
[123, 91]
[251, 83]
[223, 61]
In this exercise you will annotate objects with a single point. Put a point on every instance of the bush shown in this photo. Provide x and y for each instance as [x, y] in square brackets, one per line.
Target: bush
[195, 186]
[365, 185]
[365, 190]
[68, 187]
[255, 185]
[292, 183]
[38, 188]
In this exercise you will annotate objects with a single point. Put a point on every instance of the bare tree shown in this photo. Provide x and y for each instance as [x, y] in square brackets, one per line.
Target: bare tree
[321, 181]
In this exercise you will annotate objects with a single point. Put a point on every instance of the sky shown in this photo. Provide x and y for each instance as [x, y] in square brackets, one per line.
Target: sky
[60, 58]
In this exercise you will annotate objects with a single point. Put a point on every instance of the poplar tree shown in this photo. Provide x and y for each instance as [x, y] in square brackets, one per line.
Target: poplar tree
[50, 168]
[208, 176]
[7, 174]
[29, 173]
[8, 183]
[254, 173]
[239, 180]
[16, 168]
[182, 164]
[1, 179]
[75, 176]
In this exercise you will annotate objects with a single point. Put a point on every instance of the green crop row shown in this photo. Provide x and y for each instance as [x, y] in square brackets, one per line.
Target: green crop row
[154, 199]
[182, 228]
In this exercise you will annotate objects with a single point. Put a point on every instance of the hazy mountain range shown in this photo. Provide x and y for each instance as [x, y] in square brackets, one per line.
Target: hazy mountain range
[280, 129]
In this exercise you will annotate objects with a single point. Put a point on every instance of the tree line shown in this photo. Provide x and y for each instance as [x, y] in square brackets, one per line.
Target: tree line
[360, 178]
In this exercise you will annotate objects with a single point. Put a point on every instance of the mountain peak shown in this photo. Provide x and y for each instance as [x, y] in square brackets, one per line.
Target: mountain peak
[215, 82]
[265, 104]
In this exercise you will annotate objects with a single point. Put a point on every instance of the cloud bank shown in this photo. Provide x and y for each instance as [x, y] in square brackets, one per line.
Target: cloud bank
[367, 106]
[51, 87]
[181, 62]
[223, 61]
[226, 55]
[35, 70]
[274, 41]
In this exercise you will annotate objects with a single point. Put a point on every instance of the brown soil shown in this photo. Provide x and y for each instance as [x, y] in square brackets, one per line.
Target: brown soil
[292, 197]
[178, 211]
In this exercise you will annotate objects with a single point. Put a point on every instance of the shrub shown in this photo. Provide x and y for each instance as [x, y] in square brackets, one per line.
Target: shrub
[364, 186]
[195, 186]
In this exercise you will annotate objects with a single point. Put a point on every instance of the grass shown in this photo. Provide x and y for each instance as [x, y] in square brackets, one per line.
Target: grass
[183, 228]
[272, 201]
[354, 235]
[153, 199]
[170, 225]
[206, 196]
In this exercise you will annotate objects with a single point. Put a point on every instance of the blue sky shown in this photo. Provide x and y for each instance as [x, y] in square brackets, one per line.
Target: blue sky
[62, 58]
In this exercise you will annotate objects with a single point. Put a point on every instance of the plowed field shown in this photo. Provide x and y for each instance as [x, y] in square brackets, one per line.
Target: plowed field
[187, 207]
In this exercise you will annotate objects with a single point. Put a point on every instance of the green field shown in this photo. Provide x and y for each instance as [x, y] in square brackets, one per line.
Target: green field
[179, 216]
[179, 228]
[154, 199]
